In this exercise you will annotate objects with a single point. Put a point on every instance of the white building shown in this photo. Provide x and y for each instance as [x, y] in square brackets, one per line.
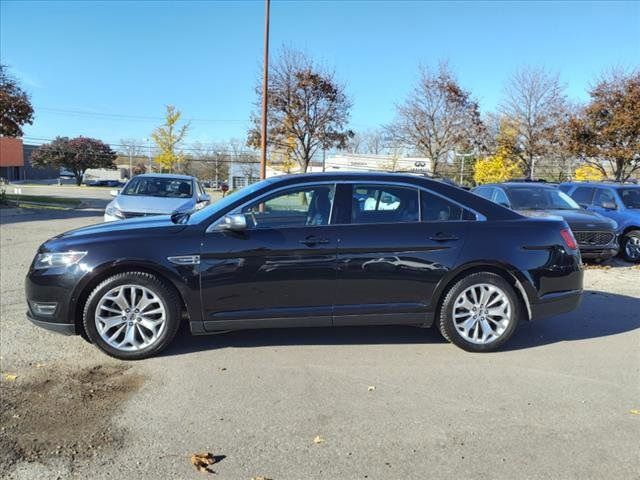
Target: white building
[243, 173]
[349, 162]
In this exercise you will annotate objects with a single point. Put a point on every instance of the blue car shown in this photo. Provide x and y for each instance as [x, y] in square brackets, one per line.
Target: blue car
[618, 201]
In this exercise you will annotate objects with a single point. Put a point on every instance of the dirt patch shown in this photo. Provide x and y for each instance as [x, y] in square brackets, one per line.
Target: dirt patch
[63, 414]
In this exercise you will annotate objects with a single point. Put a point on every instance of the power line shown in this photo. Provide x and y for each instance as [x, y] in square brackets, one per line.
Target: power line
[86, 113]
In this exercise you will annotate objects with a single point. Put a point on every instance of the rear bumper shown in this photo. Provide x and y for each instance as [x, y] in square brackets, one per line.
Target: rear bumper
[63, 328]
[556, 303]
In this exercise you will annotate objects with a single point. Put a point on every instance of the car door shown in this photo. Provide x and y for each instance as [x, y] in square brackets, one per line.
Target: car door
[280, 270]
[397, 244]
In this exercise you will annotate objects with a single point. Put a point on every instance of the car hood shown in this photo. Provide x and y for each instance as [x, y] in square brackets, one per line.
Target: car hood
[160, 205]
[147, 225]
[577, 219]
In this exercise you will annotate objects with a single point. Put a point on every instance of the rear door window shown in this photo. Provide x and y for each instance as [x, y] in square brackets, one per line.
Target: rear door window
[603, 196]
[501, 198]
[583, 195]
[384, 204]
[484, 192]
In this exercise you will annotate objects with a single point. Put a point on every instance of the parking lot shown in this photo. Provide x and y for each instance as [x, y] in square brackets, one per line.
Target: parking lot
[561, 401]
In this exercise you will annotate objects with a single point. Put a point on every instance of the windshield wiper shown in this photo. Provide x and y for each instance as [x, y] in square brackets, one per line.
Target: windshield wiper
[180, 217]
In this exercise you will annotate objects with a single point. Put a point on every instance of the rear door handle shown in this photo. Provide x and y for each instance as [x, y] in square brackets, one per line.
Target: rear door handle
[311, 241]
[443, 237]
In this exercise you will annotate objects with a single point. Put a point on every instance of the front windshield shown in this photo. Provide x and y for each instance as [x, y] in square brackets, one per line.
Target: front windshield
[224, 202]
[630, 196]
[159, 187]
[540, 198]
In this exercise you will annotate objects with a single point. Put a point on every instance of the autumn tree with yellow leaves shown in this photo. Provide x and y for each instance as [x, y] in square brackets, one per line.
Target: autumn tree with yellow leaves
[587, 173]
[168, 138]
[496, 168]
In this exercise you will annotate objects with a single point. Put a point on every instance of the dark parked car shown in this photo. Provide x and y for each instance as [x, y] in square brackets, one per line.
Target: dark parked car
[617, 201]
[596, 235]
[313, 250]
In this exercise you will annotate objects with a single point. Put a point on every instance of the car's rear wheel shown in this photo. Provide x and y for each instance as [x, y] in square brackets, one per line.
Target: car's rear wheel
[480, 312]
[132, 315]
[631, 246]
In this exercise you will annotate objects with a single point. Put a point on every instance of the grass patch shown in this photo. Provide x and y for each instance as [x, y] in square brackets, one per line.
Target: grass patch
[43, 200]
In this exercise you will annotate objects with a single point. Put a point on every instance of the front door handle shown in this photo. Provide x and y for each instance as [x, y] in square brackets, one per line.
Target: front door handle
[443, 237]
[312, 241]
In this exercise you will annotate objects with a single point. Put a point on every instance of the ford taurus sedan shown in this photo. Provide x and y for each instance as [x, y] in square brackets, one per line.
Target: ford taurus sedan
[314, 250]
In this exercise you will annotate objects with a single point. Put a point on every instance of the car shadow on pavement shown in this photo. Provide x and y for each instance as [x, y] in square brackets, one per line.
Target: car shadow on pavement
[600, 315]
[15, 215]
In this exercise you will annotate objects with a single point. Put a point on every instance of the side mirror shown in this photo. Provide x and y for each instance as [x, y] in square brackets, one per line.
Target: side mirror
[115, 193]
[234, 223]
[609, 206]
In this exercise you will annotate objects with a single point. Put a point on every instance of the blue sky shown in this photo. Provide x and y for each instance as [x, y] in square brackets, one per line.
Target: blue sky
[129, 59]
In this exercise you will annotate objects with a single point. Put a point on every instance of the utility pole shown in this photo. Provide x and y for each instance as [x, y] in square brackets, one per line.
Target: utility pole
[149, 162]
[129, 148]
[463, 155]
[265, 88]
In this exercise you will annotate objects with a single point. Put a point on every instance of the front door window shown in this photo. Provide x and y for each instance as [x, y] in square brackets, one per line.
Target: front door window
[297, 207]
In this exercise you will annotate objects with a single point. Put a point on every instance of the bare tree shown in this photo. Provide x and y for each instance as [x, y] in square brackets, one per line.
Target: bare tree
[437, 117]
[372, 142]
[534, 104]
[307, 107]
[606, 133]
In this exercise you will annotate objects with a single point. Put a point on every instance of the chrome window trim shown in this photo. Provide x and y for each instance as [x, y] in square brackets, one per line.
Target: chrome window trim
[479, 217]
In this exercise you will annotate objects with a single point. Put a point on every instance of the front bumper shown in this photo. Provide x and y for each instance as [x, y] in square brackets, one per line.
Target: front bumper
[63, 328]
[556, 303]
[598, 252]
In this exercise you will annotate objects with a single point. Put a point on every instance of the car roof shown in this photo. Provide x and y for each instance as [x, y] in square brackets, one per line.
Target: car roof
[603, 184]
[165, 175]
[519, 184]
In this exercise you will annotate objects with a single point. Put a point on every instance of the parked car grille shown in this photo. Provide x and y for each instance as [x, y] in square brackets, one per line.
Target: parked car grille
[589, 239]
[137, 214]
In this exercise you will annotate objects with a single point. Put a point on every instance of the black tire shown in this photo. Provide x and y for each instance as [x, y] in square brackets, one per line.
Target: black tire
[168, 297]
[445, 321]
[632, 236]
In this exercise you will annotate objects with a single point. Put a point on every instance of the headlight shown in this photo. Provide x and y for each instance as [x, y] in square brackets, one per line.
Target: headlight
[113, 211]
[57, 259]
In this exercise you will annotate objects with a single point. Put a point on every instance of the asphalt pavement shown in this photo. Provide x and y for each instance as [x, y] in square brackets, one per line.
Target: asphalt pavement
[561, 401]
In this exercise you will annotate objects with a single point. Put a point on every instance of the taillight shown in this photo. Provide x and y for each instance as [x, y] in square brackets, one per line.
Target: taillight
[569, 239]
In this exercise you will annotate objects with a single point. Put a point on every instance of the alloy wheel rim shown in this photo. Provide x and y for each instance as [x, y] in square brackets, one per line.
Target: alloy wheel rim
[482, 313]
[130, 317]
[632, 247]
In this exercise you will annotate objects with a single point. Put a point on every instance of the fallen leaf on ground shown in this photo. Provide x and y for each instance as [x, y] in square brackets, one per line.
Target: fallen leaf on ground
[10, 377]
[40, 365]
[371, 388]
[260, 478]
[634, 411]
[202, 461]
[318, 439]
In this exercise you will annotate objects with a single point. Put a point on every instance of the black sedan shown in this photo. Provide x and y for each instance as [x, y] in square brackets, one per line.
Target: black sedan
[595, 234]
[313, 250]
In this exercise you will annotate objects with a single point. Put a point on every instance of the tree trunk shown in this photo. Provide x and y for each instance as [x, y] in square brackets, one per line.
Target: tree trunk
[78, 179]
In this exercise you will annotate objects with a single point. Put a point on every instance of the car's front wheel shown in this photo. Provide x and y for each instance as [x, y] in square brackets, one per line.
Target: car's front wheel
[480, 312]
[132, 315]
[631, 246]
